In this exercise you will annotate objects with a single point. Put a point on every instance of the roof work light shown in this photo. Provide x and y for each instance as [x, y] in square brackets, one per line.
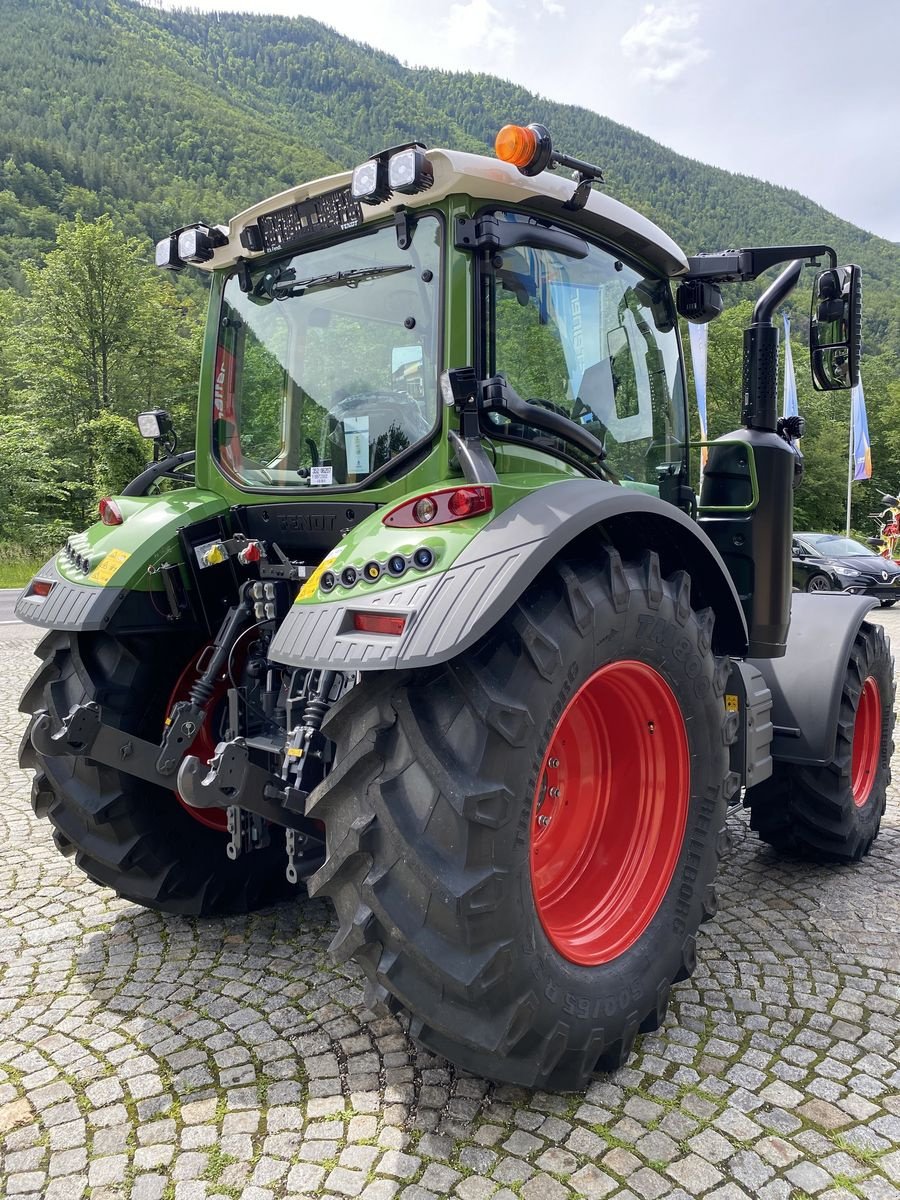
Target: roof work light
[193, 244]
[405, 169]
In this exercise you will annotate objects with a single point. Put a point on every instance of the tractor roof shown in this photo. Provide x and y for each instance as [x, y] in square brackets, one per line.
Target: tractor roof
[490, 179]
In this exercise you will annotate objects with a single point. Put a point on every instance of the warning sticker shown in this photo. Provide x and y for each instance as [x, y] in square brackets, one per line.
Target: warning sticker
[320, 475]
[731, 704]
[108, 565]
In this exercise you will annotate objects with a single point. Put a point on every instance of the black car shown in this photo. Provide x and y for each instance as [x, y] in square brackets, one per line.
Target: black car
[830, 562]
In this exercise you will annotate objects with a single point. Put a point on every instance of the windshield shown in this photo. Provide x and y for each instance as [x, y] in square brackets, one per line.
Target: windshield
[836, 546]
[327, 367]
[594, 340]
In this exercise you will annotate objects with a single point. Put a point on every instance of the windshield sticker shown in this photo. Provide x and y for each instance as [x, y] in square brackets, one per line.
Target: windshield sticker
[321, 476]
[356, 443]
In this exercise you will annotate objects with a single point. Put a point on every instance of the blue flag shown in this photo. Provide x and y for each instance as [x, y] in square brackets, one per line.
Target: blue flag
[699, 335]
[790, 382]
[862, 449]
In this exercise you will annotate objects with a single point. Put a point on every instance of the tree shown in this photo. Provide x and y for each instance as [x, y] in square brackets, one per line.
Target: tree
[101, 334]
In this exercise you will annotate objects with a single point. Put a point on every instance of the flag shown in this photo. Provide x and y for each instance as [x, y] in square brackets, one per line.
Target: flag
[790, 382]
[862, 449]
[699, 345]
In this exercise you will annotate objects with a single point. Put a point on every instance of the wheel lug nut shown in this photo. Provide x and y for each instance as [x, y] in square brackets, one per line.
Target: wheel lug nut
[543, 822]
[554, 762]
[554, 792]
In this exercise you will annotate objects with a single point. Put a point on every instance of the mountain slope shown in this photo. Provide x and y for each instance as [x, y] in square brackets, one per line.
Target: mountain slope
[163, 117]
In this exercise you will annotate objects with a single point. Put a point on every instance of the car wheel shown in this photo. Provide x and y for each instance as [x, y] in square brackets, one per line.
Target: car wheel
[818, 583]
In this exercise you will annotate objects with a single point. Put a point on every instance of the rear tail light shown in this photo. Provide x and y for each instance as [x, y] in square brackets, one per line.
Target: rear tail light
[440, 508]
[110, 513]
[41, 587]
[378, 623]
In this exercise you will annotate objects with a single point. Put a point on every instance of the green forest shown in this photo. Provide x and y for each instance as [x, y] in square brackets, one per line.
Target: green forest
[119, 122]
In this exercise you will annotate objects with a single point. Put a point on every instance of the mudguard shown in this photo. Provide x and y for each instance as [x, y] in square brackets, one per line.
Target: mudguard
[806, 683]
[118, 593]
[448, 611]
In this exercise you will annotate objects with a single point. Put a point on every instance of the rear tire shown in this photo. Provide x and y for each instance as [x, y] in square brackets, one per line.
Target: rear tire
[430, 817]
[832, 813]
[126, 834]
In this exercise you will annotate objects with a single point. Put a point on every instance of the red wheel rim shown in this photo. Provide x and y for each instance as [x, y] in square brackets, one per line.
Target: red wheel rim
[609, 812]
[866, 742]
[204, 744]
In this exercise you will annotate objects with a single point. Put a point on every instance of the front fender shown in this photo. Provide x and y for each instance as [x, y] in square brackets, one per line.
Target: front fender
[449, 611]
[806, 684]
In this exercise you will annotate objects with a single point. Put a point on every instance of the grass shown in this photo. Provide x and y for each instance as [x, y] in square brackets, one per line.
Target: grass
[17, 565]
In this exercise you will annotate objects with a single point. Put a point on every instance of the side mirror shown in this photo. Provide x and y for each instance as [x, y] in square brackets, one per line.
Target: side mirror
[834, 328]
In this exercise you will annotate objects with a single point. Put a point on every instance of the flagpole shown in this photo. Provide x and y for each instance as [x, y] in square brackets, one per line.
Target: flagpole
[850, 464]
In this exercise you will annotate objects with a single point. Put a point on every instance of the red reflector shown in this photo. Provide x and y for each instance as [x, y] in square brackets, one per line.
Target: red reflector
[378, 623]
[449, 504]
[41, 587]
[110, 513]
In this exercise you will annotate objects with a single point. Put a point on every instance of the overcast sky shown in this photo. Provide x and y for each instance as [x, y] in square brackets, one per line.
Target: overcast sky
[804, 93]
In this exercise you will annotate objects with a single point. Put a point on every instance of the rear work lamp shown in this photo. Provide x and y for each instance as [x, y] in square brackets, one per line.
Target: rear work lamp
[155, 424]
[529, 148]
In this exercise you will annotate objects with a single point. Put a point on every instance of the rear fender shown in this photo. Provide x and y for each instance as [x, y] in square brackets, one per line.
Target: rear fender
[806, 683]
[449, 611]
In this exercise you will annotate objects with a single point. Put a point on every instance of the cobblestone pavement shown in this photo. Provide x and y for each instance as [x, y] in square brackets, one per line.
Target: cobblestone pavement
[153, 1058]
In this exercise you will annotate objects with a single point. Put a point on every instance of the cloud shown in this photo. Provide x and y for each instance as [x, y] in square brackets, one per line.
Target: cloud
[553, 8]
[477, 24]
[664, 43]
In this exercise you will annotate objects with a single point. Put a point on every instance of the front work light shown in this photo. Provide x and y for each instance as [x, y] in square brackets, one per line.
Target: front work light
[167, 254]
[369, 184]
[410, 171]
[193, 244]
[404, 169]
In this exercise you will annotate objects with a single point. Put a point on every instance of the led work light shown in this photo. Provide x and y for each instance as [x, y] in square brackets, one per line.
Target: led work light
[405, 169]
[194, 244]
[369, 184]
[410, 171]
[155, 424]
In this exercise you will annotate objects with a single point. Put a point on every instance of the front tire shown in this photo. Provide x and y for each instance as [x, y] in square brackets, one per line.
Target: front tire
[535, 972]
[818, 583]
[832, 813]
[125, 834]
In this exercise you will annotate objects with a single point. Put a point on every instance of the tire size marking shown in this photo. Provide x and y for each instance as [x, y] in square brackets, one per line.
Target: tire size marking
[592, 1008]
[660, 632]
[691, 868]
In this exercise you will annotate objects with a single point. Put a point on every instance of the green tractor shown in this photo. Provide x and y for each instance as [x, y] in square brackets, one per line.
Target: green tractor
[433, 622]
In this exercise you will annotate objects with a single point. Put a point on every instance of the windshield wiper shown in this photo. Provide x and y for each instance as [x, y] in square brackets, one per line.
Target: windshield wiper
[285, 285]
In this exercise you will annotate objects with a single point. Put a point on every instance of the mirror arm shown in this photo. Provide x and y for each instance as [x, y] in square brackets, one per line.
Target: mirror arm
[759, 406]
[743, 266]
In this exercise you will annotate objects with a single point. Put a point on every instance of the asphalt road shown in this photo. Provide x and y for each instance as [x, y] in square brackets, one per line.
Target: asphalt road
[8, 598]
[150, 1057]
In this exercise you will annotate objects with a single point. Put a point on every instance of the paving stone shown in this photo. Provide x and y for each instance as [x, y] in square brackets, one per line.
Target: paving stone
[158, 1058]
[694, 1174]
